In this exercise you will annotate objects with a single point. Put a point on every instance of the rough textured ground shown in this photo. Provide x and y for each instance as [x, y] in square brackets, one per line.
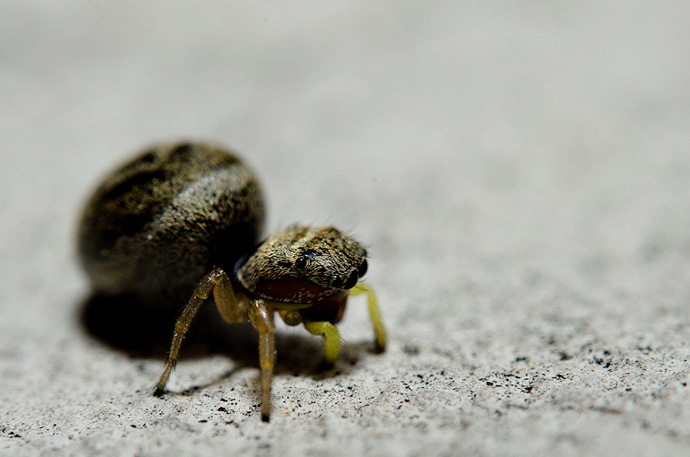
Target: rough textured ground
[519, 171]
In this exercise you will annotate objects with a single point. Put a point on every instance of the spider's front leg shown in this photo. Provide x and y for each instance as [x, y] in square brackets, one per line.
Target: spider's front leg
[261, 317]
[228, 306]
[374, 314]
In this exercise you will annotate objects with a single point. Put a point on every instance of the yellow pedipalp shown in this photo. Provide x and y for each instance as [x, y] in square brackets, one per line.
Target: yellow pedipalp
[331, 337]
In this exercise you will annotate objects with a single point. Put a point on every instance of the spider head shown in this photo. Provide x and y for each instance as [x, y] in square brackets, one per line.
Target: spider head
[305, 265]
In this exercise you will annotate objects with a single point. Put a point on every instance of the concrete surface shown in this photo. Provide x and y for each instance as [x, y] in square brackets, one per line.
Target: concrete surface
[519, 171]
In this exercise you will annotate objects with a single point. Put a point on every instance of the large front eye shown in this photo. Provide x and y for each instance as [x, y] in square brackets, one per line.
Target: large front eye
[351, 281]
[363, 268]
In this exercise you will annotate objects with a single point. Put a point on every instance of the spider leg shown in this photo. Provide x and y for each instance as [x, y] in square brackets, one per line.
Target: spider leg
[230, 309]
[374, 314]
[261, 317]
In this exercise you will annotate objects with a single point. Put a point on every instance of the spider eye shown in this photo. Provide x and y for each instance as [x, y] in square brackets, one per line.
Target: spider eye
[363, 268]
[301, 262]
[351, 281]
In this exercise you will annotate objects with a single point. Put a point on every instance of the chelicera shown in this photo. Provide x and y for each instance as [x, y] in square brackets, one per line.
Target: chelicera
[186, 219]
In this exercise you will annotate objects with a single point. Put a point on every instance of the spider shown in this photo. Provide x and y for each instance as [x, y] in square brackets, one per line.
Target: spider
[185, 218]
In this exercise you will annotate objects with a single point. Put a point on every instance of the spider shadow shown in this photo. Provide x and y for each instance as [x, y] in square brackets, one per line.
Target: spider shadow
[122, 324]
